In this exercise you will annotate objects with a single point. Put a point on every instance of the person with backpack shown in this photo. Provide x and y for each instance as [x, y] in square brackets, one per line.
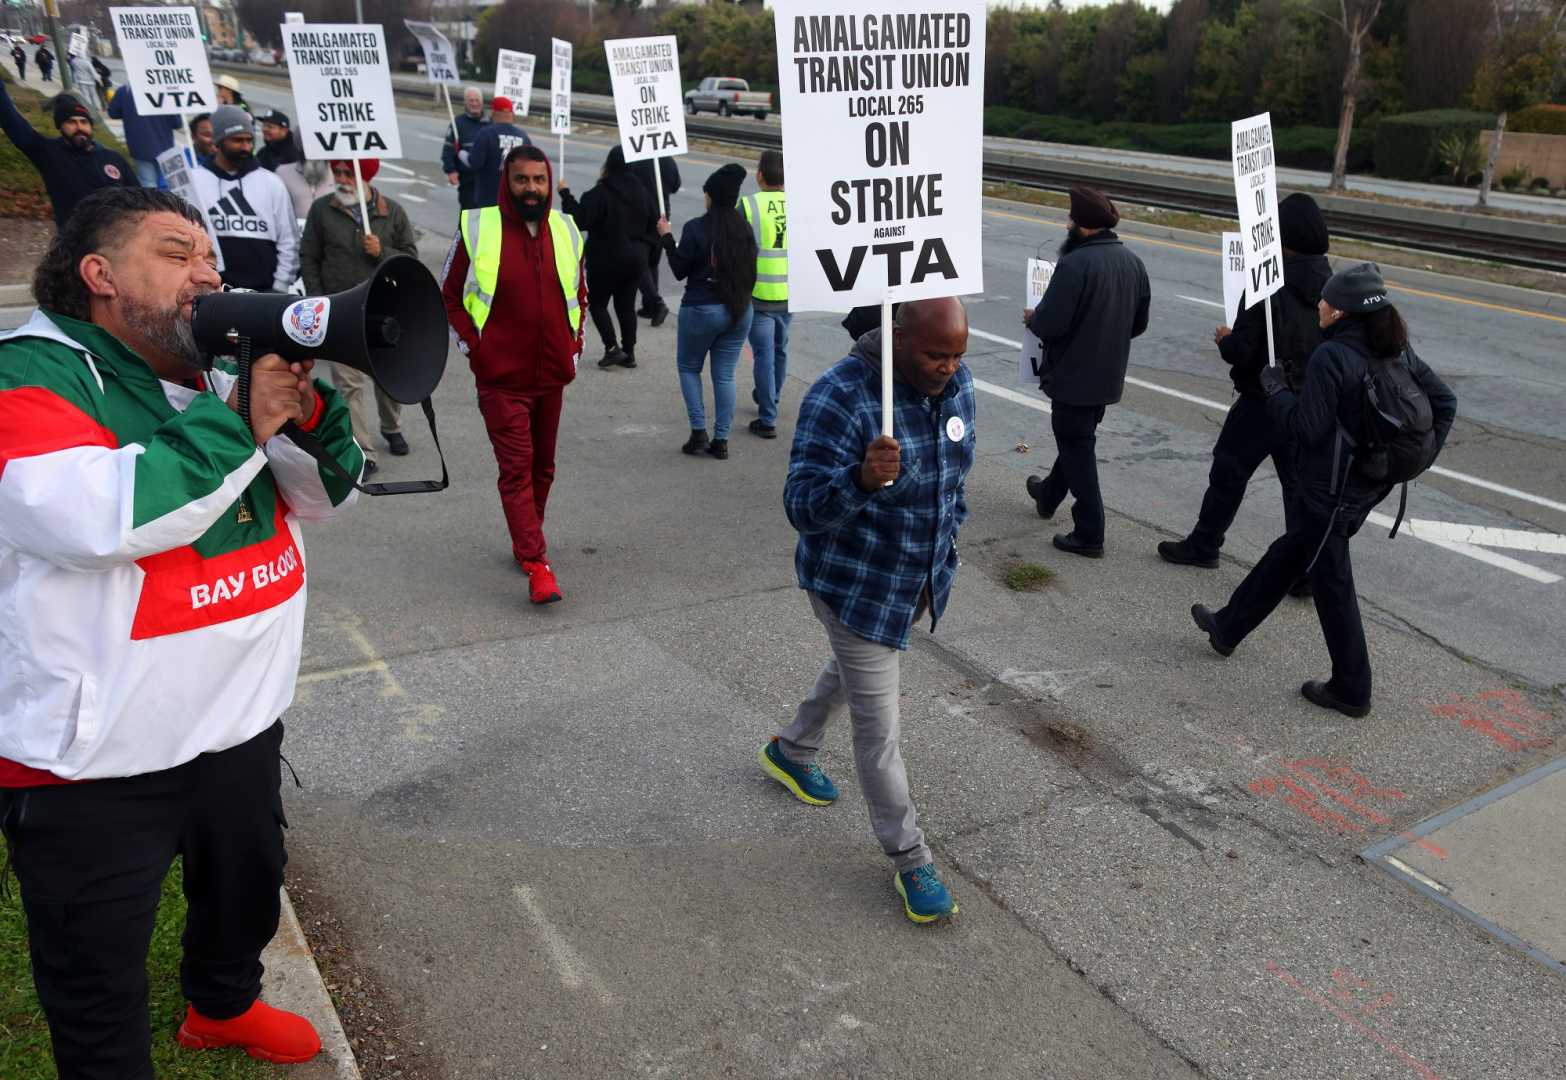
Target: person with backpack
[621, 224]
[716, 258]
[1370, 415]
[1249, 436]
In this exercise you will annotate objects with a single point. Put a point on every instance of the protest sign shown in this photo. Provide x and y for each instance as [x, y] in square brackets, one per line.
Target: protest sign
[560, 87]
[1233, 275]
[883, 117]
[342, 91]
[1256, 191]
[175, 170]
[514, 78]
[1030, 364]
[165, 60]
[294, 17]
[440, 59]
[78, 43]
[645, 73]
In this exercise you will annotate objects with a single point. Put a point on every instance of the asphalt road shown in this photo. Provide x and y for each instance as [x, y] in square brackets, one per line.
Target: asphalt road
[546, 831]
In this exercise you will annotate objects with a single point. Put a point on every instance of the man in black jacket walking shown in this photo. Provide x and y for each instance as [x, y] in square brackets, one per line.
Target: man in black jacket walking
[653, 306]
[1097, 301]
[72, 166]
[1249, 436]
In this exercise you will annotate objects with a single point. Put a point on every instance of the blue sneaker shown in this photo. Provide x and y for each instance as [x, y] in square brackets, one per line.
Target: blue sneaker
[925, 899]
[808, 783]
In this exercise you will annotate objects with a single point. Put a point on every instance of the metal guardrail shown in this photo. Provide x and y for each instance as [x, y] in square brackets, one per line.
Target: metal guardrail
[1511, 241]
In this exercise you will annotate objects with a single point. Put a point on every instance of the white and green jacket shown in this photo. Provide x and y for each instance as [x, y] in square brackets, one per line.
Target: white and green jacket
[152, 572]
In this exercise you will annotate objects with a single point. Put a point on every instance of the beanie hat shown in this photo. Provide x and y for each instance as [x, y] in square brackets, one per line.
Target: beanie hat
[1356, 290]
[229, 120]
[66, 107]
[1304, 229]
[1093, 209]
[368, 167]
[501, 104]
[724, 185]
[276, 116]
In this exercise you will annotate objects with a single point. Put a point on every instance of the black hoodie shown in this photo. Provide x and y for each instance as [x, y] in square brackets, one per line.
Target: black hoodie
[69, 174]
[620, 221]
[1295, 327]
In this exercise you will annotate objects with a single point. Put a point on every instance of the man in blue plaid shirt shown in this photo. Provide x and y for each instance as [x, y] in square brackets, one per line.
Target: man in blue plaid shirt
[874, 558]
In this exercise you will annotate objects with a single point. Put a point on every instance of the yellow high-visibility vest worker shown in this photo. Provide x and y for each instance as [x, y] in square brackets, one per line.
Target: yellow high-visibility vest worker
[767, 213]
[481, 230]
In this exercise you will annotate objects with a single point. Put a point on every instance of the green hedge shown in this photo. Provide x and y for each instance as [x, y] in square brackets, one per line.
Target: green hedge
[1538, 120]
[1299, 147]
[1406, 143]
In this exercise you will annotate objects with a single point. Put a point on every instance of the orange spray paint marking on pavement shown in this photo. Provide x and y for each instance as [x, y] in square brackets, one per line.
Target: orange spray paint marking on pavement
[1328, 791]
[1504, 716]
[1348, 986]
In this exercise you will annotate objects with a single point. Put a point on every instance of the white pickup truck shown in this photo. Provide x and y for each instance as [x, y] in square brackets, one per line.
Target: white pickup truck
[725, 96]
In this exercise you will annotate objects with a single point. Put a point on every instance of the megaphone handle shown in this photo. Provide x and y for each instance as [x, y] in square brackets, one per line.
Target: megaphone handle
[312, 446]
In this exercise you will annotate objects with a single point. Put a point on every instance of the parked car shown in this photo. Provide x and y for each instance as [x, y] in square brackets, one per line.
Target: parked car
[726, 96]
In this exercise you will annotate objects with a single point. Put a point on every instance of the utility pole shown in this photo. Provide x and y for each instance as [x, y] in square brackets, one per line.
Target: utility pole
[61, 61]
[358, 10]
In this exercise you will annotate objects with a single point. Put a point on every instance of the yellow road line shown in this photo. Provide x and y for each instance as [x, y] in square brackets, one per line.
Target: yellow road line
[1504, 309]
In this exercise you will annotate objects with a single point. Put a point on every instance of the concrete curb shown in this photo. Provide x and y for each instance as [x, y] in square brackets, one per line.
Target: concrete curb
[16, 296]
[293, 982]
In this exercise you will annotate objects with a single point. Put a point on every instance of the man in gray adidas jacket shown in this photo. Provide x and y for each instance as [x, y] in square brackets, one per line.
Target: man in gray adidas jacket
[249, 208]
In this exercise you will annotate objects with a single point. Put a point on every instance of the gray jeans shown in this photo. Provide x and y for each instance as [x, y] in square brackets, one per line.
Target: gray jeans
[863, 674]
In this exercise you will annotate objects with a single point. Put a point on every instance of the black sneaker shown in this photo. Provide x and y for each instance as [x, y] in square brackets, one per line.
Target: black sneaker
[613, 357]
[719, 448]
[766, 431]
[1207, 622]
[696, 444]
[627, 358]
[646, 311]
[1074, 544]
[658, 317]
[1035, 488]
[396, 443]
[369, 468]
[1185, 553]
[1318, 693]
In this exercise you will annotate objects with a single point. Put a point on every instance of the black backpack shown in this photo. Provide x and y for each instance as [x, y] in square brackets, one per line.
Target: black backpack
[1397, 441]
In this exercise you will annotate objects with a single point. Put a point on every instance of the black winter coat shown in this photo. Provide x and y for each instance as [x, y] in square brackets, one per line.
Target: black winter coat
[1331, 404]
[69, 174]
[1245, 349]
[643, 171]
[620, 220]
[1097, 301]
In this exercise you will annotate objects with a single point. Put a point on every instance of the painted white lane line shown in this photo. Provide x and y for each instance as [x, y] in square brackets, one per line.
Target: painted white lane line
[1199, 300]
[411, 198]
[397, 168]
[1017, 397]
[1218, 406]
[574, 974]
[1489, 536]
[1479, 554]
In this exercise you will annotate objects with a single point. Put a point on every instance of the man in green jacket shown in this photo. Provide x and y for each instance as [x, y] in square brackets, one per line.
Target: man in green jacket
[337, 253]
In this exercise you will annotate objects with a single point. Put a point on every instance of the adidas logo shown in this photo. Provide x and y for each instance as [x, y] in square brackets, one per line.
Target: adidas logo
[234, 214]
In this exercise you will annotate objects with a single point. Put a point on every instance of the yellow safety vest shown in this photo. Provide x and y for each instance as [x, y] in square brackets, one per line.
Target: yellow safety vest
[767, 213]
[481, 230]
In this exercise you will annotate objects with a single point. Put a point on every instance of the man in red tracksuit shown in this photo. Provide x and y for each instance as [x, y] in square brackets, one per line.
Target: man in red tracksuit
[519, 322]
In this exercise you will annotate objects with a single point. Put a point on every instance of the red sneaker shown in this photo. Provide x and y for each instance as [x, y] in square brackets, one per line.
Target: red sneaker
[283, 1038]
[542, 586]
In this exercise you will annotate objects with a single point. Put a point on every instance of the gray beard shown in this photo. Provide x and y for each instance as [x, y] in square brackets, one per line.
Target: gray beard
[166, 330]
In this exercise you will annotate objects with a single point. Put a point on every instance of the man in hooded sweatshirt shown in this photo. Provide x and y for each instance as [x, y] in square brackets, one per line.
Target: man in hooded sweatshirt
[1249, 436]
[72, 166]
[519, 323]
[250, 210]
[490, 148]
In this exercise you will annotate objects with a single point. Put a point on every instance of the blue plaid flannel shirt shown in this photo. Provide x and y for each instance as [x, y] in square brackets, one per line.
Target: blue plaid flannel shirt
[871, 557]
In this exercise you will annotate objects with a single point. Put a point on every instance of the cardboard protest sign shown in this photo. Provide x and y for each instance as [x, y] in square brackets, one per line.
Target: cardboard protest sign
[78, 43]
[1233, 275]
[342, 91]
[440, 59]
[514, 78]
[1030, 364]
[175, 169]
[883, 118]
[165, 60]
[645, 73]
[295, 17]
[560, 87]
[1256, 191]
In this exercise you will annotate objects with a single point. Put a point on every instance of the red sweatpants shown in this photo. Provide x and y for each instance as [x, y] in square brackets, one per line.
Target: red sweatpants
[523, 428]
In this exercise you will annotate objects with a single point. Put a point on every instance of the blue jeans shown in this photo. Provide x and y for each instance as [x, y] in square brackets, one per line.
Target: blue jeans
[769, 347]
[703, 329]
[147, 173]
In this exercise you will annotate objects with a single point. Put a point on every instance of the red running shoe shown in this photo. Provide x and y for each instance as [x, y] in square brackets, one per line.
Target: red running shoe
[263, 1032]
[542, 586]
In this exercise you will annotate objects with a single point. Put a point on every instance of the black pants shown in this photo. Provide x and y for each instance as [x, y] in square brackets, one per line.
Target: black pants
[1076, 468]
[651, 299]
[1248, 438]
[1337, 606]
[615, 283]
[90, 859]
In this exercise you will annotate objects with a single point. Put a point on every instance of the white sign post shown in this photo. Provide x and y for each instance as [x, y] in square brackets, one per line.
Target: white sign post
[1030, 364]
[440, 63]
[343, 94]
[165, 60]
[560, 95]
[514, 78]
[1256, 192]
[645, 74]
[883, 117]
[1233, 275]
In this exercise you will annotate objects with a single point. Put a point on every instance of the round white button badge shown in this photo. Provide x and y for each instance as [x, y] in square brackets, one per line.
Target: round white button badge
[956, 429]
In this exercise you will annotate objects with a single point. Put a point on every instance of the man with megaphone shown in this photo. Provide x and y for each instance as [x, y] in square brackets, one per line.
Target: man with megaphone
[152, 573]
